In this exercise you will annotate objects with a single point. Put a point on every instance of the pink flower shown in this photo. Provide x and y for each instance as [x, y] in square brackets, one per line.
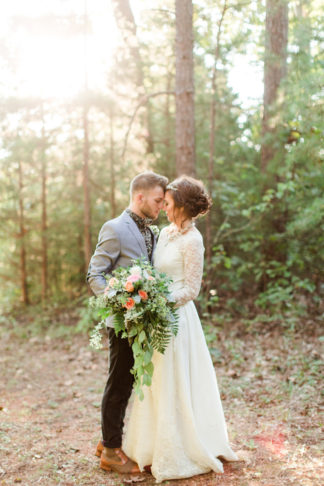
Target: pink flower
[150, 277]
[133, 278]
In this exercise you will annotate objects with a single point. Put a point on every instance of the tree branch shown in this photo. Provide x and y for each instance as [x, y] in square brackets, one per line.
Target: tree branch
[142, 102]
[163, 10]
[236, 230]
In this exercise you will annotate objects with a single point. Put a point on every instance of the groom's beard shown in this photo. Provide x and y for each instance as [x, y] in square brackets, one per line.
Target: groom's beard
[148, 212]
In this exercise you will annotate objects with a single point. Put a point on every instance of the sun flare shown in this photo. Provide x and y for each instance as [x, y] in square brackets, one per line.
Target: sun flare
[51, 63]
[52, 67]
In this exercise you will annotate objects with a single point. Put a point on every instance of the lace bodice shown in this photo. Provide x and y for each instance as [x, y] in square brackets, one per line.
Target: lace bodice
[181, 256]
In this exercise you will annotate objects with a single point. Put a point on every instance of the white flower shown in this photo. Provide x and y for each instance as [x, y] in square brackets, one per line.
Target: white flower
[135, 270]
[146, 274]
[155, 230]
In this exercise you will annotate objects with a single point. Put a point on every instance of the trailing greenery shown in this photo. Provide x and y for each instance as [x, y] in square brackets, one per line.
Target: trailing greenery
[143, 310]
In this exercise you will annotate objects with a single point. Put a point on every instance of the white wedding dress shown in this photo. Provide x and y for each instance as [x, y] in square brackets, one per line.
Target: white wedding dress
[179, 428]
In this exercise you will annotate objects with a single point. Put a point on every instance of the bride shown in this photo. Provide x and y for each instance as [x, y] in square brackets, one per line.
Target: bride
[179, 428]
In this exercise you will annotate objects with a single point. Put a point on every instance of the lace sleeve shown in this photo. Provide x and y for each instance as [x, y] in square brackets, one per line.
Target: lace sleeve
[193, 258]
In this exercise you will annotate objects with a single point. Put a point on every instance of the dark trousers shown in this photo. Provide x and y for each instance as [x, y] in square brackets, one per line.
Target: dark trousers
[117, 391]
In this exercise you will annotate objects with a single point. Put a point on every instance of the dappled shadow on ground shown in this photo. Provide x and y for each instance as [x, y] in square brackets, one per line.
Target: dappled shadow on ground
[50, 410]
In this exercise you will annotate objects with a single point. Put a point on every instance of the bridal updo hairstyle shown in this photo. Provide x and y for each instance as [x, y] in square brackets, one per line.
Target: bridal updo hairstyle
[190, 194]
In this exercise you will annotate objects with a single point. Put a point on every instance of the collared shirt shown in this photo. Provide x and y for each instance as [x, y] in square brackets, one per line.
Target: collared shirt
[142, 224]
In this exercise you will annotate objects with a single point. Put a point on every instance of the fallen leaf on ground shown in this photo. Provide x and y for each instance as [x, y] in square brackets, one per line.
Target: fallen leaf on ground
[134, 479]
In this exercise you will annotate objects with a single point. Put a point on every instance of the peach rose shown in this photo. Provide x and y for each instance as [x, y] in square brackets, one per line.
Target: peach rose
[130, 303]
[150, 277]
[129, 287]
[143, 295]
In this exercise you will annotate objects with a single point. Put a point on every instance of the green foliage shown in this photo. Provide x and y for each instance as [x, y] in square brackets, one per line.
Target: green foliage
[143, 311]
[268, 249]
[268, 238]
[88, 316]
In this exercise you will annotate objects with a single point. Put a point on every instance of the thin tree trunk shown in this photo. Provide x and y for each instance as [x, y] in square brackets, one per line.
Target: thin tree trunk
[22, 232]
[85, 171]
[127, 26]
[141, 103]
[275, 66]
[169, 155]
[82, 268]
[86, 190]
[44, 211]
[304, 33]
[185, 117]
[209, 243]
[112, 166]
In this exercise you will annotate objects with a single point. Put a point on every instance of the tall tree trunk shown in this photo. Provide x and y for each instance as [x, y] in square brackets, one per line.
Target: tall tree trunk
[85, 171]
[127, 26]
[169, 155]
[22, 232]
[44, 210]
[185, 117]
[275, 66]
[304, 33]
[86, 190]
[112, 195]
[209, 243]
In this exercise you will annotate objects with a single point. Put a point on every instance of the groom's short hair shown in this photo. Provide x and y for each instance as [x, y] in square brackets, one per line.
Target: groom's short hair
[147, 180]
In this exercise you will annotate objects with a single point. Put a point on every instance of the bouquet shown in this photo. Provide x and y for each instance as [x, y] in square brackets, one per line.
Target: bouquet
[144, 312]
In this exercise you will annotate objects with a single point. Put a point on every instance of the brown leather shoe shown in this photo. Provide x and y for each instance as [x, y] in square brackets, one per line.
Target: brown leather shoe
[116, 460]
[99, 449]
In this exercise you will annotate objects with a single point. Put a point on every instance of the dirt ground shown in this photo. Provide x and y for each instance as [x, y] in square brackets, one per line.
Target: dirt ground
[50, 393]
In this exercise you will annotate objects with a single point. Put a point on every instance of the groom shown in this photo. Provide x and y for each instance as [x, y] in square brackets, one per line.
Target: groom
[121, 240]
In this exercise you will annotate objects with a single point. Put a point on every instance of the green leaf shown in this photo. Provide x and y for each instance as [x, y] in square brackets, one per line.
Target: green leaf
[227, 262]
[140, 371]
[148, 356]
[149, 368]
[147, 380]
[132, 332]
[136, 348]
[119, 323]
[142, 337]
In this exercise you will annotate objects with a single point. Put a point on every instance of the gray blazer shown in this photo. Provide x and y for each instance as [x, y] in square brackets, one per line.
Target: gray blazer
[119, 242]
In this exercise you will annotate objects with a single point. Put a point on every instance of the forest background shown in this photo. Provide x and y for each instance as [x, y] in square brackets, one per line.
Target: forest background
[91, 93]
